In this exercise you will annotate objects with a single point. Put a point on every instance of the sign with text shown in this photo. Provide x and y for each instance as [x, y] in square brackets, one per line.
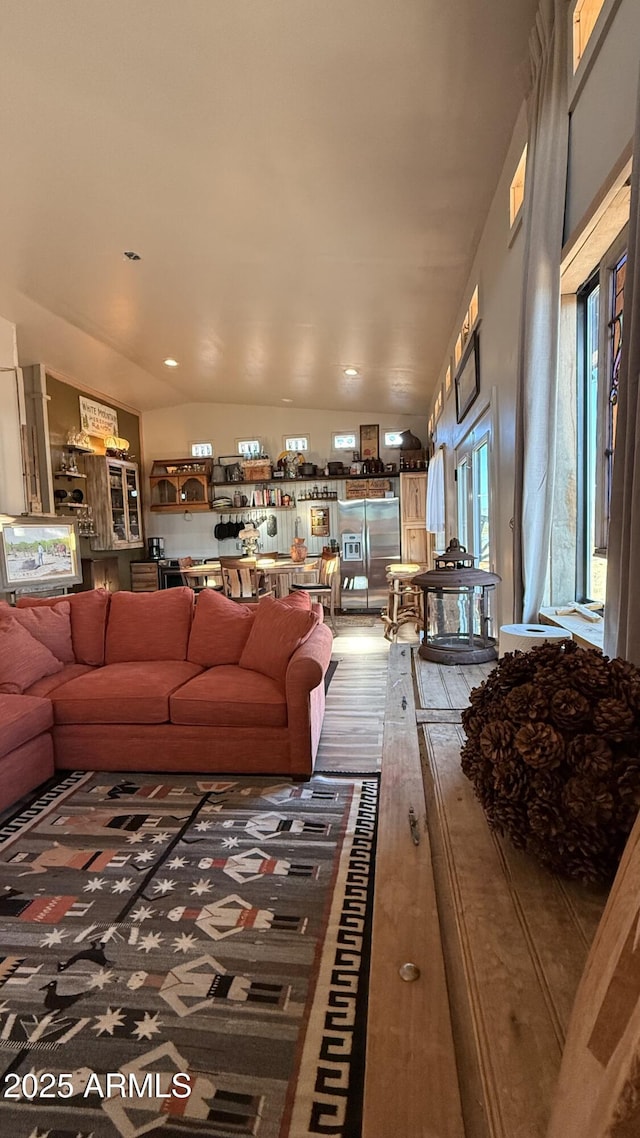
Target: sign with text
[97, 419]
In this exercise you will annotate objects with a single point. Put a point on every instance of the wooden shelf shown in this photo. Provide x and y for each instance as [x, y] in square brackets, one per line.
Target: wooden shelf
[250, 509]
[317, 478]
[179, 507]
[67, 474]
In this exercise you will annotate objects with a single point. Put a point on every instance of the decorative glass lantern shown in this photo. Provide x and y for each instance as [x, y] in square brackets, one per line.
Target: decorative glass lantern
[456, 609]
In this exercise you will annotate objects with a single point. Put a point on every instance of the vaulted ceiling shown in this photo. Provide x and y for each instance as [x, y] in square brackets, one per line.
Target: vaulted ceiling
[304, 180]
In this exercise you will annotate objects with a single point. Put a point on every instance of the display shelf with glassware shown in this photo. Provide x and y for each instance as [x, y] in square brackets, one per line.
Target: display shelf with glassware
[114, 491]
[179, 484]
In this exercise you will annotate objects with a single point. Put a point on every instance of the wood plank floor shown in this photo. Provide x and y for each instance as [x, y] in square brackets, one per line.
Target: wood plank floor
[352, 732]
[515, 937]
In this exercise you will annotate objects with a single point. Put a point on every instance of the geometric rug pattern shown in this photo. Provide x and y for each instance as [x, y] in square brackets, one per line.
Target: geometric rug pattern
[185, 956]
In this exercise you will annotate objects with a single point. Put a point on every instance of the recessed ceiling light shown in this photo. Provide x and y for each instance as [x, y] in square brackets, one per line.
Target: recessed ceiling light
[170, 363]
[351, 371]
[129, 255]
[287, 400]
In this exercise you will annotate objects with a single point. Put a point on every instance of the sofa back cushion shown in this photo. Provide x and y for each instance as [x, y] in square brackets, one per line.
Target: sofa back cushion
[278, 629]
[51, 626]
[298, 600]
[220, 630]
[149, 626]
[88, 621]
[23, 659]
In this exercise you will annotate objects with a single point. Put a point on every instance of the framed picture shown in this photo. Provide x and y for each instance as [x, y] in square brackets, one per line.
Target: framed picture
[468, 377]
[370, 441]
[37, 552]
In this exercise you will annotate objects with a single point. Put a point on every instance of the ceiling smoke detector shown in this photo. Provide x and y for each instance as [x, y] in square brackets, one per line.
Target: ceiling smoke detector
[129, 255]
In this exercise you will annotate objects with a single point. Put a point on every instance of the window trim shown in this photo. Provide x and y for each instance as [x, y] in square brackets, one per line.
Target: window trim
[482, 430]
[252, 453]
[292, 437]
[338, 434]
[390, 431]
[602, 275]
[200, 443]
[578, 77]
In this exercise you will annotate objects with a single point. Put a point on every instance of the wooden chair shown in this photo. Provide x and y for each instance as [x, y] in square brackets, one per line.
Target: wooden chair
[242, 580]
[201, 580]
[327, 587]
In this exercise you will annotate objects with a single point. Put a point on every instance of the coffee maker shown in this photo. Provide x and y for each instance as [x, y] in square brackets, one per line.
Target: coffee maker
[155, 548]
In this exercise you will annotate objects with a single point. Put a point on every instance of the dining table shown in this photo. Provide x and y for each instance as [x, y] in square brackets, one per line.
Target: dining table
[280, 573]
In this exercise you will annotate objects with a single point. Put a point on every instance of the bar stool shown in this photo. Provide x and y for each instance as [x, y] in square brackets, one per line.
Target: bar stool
[405, 603]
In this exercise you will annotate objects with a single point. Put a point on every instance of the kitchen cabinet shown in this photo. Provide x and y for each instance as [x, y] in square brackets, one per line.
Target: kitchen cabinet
[180, 484]
[416, 543]
[113, 488]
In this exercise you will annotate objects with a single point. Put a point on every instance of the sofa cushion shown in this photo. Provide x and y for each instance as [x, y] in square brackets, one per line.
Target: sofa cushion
[149, 626]
[88, 621]
[229, 696]
[51, 625]
[23, 659]
[220, 629]
[298, 600]
[133, 692]
[22, 718]
[277, 631]
[47, 684]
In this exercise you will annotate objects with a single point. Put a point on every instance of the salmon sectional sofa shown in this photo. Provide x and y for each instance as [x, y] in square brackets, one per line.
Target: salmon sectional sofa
[158, 682]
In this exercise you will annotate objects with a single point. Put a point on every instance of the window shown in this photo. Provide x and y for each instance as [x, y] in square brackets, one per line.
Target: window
[202, 450]
[250, 448]
[344, 440]
[393, 438]
[600, 330]
[585, 15]
[437, 406]
[473, 493]
[296, 442]
[469, 320]
[516, 190]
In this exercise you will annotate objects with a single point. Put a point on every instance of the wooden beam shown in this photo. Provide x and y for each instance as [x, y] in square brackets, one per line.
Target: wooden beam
[411, 1082]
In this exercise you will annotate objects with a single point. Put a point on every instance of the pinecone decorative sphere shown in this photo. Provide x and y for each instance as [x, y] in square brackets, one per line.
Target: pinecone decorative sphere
[553, 752]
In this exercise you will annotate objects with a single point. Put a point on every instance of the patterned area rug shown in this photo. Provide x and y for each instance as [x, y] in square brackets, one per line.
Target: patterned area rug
[185, 956]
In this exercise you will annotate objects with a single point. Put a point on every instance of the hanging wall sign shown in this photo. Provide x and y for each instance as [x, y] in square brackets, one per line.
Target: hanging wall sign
[97, 419]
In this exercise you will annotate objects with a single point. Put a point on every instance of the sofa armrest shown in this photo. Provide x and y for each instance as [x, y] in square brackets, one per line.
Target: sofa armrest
[309, 662]
[305, 698]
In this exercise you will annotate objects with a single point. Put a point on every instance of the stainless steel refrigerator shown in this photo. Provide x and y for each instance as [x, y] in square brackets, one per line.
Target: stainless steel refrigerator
[369, 541]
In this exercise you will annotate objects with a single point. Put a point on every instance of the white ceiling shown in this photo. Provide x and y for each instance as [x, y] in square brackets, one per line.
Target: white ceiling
[305, 180]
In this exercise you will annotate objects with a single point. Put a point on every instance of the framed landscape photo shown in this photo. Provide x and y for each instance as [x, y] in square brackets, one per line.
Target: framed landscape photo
[370, 441]
[468, 377]
[37, 552]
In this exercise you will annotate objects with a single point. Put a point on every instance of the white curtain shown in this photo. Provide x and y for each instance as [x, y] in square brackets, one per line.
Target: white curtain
[622, 610]
[545, 186]
[435, 493]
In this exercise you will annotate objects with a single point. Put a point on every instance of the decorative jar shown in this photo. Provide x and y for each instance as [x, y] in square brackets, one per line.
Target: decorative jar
[298, 549]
